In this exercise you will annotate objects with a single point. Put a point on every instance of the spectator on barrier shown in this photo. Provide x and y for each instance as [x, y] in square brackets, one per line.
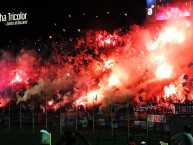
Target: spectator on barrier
[184, 138]
[142, 141]
[187, 100]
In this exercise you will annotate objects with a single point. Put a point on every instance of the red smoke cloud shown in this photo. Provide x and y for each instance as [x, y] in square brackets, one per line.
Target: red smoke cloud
[146, 59]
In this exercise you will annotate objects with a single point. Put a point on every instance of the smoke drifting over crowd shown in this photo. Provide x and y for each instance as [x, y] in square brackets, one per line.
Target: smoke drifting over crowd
[154, 59]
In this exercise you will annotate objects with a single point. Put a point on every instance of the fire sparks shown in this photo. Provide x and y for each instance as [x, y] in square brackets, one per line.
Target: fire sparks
[104, 39]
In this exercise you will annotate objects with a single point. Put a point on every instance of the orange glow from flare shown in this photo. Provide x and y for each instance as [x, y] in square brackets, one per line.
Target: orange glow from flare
[88, 99]
[50, 103]
[91, 95]
[113, 80]
[172, 34]
[160, 58]
[17, 79]
[163, 71]
[3, 102]
[169, 90]
[108, 41]
[81, 101]
[108, 64]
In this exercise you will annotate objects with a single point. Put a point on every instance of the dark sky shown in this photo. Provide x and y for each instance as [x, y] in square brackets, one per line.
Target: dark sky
[52, 16]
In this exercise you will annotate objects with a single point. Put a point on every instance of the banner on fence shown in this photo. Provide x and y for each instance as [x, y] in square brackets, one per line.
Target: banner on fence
[183, 108]
[156, 118]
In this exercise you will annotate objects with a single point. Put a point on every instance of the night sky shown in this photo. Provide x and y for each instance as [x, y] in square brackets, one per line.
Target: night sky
[66, 16]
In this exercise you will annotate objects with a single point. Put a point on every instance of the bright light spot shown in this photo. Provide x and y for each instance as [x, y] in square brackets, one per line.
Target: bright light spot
[50, 103]
[154, 45]
[113, 80]
[108, 41]
[81, 101]
[163, 71]
[169, 90]
[160, 58]
[91, 95]
[108, 64]
[188, 24]
[172, 34]
[17, 79]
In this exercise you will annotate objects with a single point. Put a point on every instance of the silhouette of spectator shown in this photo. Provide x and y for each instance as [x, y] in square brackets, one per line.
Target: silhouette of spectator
[184, 138]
